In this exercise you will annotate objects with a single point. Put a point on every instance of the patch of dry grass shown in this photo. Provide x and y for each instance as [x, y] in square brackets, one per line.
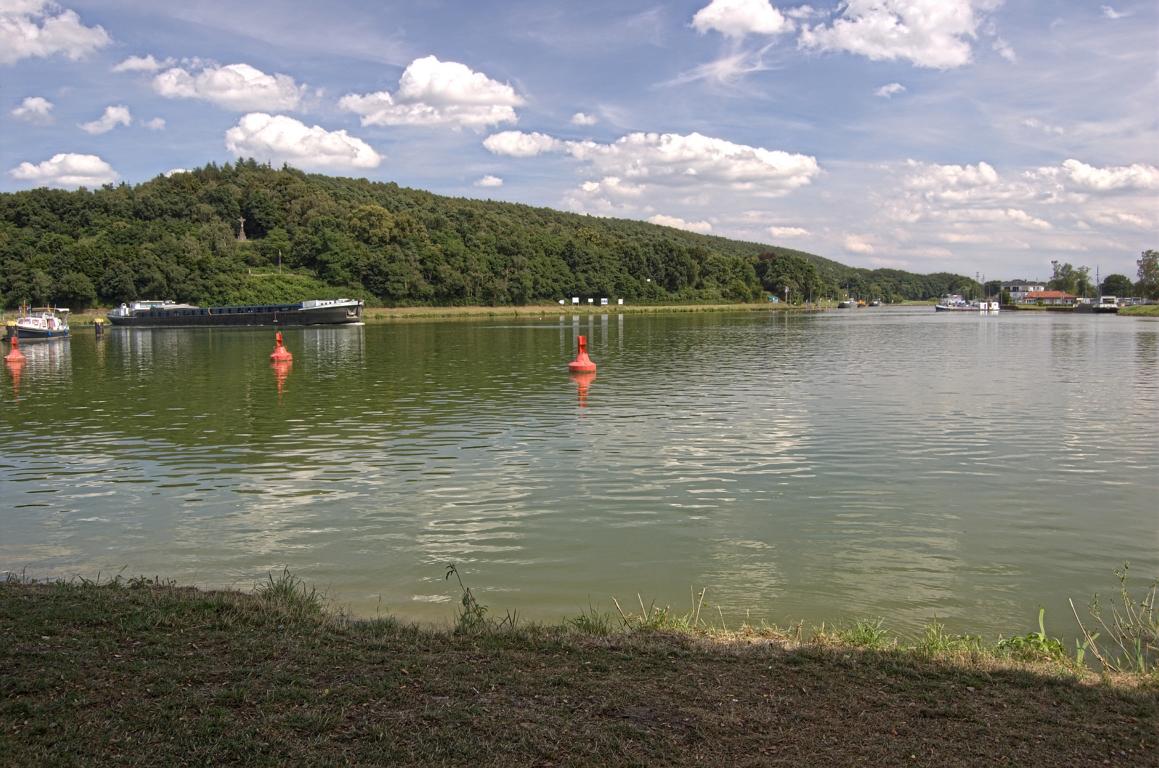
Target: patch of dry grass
[141, 673]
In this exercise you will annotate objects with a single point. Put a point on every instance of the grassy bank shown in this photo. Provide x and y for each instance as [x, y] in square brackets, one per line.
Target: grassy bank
[1142, 310]
[139, 673]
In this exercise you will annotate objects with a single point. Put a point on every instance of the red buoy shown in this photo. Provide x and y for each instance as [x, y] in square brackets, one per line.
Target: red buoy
[280, 353]
[15, 356]
[582, 363]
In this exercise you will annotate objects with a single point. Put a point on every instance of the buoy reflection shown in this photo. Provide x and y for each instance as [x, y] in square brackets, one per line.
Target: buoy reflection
[14, 369]
[281, 372]
[582, 382]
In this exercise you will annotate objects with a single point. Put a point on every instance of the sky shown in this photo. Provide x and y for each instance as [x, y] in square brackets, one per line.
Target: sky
[980, 137]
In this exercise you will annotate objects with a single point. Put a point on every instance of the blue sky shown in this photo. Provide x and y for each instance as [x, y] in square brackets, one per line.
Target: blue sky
[974, 136]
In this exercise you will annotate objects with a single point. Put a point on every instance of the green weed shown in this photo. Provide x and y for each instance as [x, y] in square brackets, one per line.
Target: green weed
[871, 635]
[1033, 646]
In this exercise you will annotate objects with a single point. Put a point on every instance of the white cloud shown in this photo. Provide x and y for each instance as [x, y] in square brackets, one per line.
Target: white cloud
[489, 181]
[992, 215]
[579, 118]
[1033, 122]
[1115, 218]
[727, 69]
[34, 109]
[114, 115]
[697, 160]
[156, 124]
[858, 244]
[238, 87]
[67, 170]
[802, 12]
[788, 231]
[737, 18]
[887, 91]
[1004, 50]
[283, 139]
[175, 171]
[924, 176]
[1111, 13]
[643, 173]
[520, 144]
[929, 33]
[703, 227]
[36, 28]
[433, 92]
[613, 186]
[143, 64]
[1136, 176]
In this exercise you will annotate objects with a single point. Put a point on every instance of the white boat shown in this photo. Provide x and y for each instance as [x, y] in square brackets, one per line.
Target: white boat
[952, 302]
[1107, 304]
[847, 304]
[41, 323]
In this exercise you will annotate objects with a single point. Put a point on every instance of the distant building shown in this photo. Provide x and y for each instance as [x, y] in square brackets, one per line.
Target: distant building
[1019, 288]
[1051, 298]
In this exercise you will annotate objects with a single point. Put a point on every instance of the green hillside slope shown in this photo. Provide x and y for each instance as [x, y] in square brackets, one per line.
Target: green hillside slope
[177, 238]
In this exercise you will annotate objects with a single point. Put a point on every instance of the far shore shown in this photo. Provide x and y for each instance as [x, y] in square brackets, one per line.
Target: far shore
[376, 315]
[392, 314]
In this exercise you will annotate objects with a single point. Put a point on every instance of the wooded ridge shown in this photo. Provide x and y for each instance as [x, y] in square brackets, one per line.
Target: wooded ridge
[309, 235]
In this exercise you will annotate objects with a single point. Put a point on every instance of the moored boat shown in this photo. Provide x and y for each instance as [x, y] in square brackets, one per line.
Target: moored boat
[1107, 305]
[40, 323]
[954, 303]
[168, 314]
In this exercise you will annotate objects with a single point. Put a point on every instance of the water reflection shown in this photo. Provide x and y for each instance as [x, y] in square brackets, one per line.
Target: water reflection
[798, 467]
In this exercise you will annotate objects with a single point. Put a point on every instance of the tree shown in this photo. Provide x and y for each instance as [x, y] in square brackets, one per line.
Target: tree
[778, 271]
[1073, 280]
[1149, 274]
[76, 290]
[1117, 285]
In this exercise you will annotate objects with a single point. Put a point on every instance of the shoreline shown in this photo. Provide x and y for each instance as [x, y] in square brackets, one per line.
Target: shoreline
[375, 315]
[142, 672]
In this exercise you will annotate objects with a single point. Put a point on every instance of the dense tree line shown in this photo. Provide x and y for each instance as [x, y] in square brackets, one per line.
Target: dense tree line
[177, 238]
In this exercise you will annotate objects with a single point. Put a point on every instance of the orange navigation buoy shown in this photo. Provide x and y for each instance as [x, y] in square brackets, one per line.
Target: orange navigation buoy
[582, 363]
[280, 353]
[15, 355]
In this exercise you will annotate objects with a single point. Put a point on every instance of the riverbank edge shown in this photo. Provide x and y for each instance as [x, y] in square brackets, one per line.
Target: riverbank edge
[139, 672]
[395, 314]
[1140, 310]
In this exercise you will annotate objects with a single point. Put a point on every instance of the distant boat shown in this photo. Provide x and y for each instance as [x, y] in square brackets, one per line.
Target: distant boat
[847, 304]
[1107, 304]
[167, 314]
[41, 323]
[952, 302]
[875, 303]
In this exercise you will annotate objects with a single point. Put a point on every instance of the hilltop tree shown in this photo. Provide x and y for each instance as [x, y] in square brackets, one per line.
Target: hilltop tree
[1148, 284]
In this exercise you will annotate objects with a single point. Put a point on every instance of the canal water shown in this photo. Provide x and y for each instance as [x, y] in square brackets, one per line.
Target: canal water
[895, 463]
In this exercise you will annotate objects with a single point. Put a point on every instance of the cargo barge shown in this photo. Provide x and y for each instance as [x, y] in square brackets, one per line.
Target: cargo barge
[168, 314]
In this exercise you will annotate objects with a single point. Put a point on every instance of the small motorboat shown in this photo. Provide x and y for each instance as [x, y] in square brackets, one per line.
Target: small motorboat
[40, 323]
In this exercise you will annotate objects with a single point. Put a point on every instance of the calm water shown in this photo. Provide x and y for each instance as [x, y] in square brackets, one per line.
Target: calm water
[897, 463]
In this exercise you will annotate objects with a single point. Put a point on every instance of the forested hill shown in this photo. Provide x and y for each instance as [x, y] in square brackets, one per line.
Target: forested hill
[309, 235]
